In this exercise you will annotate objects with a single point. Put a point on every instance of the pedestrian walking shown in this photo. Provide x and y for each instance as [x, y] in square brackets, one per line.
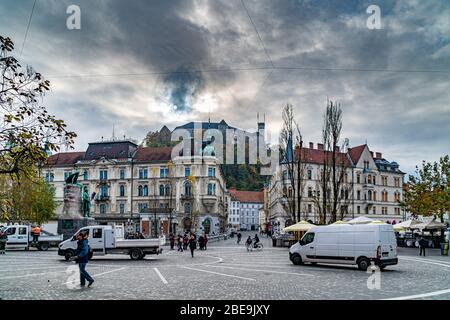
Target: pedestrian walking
[422, 244]
[239, 237]
[205, 237]
[180, 243]
[185, 242]
[201, 242]
[3, 240]
[192, 245]
[82, 259]
[172, 241]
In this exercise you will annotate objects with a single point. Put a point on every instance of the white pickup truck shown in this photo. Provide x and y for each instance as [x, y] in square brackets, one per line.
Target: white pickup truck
[19, 237]
[106, 240]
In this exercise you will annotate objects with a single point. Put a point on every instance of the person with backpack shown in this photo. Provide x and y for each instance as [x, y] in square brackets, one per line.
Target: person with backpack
[82, 259]
[192, 244]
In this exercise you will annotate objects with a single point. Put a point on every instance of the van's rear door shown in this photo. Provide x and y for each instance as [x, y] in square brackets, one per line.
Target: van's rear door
[388, 243]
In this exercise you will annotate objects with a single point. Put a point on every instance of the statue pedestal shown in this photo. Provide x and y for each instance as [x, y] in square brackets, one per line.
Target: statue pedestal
[72, 218]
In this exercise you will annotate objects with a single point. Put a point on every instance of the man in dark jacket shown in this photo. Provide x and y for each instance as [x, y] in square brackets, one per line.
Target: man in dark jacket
[82, 259]
[192, 244]
[422, 245]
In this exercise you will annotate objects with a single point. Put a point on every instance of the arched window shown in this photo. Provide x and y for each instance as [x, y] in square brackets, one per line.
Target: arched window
[187, 189]
[369, 194]
[161, 189]
[167, 190]
[103, 208]
[140, 191]
[187, 208]
[290, 192]
[310, 193]
[122, 191]
[369, 179]
[284, 191]
[145, 191]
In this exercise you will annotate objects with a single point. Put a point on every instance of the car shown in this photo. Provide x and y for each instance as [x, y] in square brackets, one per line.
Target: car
[360, 244]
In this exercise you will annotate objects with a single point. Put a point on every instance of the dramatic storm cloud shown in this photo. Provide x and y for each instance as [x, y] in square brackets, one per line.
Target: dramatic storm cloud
[141, 64]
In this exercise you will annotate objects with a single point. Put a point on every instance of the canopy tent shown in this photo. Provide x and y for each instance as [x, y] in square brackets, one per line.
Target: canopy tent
[299, 226]
[405, 225]
[431, 225]
[360, 220]
[339, 222]
[377, 222]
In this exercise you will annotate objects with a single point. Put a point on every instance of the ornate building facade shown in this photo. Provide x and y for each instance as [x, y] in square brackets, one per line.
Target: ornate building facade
[373, 187]
[145, 185]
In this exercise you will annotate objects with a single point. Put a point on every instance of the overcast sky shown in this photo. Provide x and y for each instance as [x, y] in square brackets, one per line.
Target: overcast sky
[139, 63]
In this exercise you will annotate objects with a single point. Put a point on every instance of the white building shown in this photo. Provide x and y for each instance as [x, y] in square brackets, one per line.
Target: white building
[373, 187]
[243, 211]
[131, 183]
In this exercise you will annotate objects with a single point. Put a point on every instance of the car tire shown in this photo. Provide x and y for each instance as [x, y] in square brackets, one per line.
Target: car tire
[297, 260]
[136, 254]
[363, 264]
[68, 254]
[43, 246]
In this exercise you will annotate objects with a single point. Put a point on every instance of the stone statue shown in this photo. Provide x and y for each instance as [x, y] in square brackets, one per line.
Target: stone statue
[73, 178]
[86, 203]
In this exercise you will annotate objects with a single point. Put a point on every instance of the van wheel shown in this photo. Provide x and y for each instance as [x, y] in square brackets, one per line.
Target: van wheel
[43, 246]
[136, 254]
[297, 260]
[363, 264]
[69, 254]
[314, 263]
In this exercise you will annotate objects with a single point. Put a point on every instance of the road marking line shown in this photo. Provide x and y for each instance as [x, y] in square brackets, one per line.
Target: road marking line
[423, 295]
[259, 270]
[99, 274]
[426, 261]
[423, 259]
[31, 275]
[218, 273]
[160, 276]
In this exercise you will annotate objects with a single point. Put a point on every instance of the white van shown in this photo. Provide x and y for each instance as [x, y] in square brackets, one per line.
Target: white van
[358, 244]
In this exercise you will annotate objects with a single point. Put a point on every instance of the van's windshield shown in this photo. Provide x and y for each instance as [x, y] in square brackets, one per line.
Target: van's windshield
[307, 238]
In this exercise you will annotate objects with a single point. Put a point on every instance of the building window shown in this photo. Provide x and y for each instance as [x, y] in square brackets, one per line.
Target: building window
[103, 174]
[309, 208]
[211, 189]
[358, 210]
[142, 206]
[122, 208]
[143, 173]
[85, 175]
[374, 180]
[167, 190]
[103, 208]
[310, 193]
[374, 196]
[211, 172]
[163, 172]
[140, 191]
[103, 191]
[374, 210]
[309, 174]
[369, 195]
[161, 190]
[122, 174]
[66, 175]
[49, 176]
[358, 178]
[187, 171]
[369, 179]
[122, 191]
[187, 208]
[187, 189]
[145, 191]
[358, 195]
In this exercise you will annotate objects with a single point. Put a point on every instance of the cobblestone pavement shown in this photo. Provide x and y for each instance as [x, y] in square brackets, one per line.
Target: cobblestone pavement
[224, 271]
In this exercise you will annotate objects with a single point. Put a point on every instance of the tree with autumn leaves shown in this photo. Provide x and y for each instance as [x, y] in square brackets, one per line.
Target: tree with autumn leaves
[27, 133]
[427, 193]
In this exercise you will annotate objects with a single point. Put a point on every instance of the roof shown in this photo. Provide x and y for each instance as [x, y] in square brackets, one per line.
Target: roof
[317, 156]
[65, 158]
[205, 125]
[110, 150]
[153, 154]
[356, 152]
[247, 196]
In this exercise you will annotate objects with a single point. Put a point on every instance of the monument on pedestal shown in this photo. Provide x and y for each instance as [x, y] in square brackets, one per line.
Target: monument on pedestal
[76, 209]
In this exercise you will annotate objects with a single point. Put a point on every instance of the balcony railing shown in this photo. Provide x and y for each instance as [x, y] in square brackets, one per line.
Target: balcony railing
[102, 198]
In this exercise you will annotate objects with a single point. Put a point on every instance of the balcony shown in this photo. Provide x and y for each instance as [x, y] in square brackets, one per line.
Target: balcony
[102, 198]
[187, 197]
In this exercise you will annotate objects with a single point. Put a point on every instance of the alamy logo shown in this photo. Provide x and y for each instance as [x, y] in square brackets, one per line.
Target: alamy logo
[374, 20]
[73, 21]
[73, 277]
[374, 281]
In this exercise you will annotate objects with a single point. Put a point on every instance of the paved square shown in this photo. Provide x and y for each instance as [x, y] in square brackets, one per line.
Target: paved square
[224, 271]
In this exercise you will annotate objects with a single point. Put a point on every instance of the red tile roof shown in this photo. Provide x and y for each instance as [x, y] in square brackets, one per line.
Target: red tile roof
[64, 158]
[355, 153]
[317, 156]
[247, 196]
[153, 154]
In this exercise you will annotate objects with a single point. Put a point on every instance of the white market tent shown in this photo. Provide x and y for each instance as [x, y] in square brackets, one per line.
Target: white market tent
[360, 220]
[430, 225]
[299, 226]
[405, 225]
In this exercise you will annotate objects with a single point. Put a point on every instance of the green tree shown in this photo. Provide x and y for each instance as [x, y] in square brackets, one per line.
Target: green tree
[27, 130]
[26, 199]
[427, 193]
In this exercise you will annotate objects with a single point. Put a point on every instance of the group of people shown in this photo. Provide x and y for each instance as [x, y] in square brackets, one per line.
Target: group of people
[188, 240]
[249, 240]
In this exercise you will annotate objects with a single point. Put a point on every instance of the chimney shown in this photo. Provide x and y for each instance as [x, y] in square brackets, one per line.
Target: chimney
[379, 155]
[336, 148]
[320, 146]
[311, 145]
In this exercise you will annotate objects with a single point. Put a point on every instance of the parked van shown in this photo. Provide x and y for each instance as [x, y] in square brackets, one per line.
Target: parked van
[358, 244]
